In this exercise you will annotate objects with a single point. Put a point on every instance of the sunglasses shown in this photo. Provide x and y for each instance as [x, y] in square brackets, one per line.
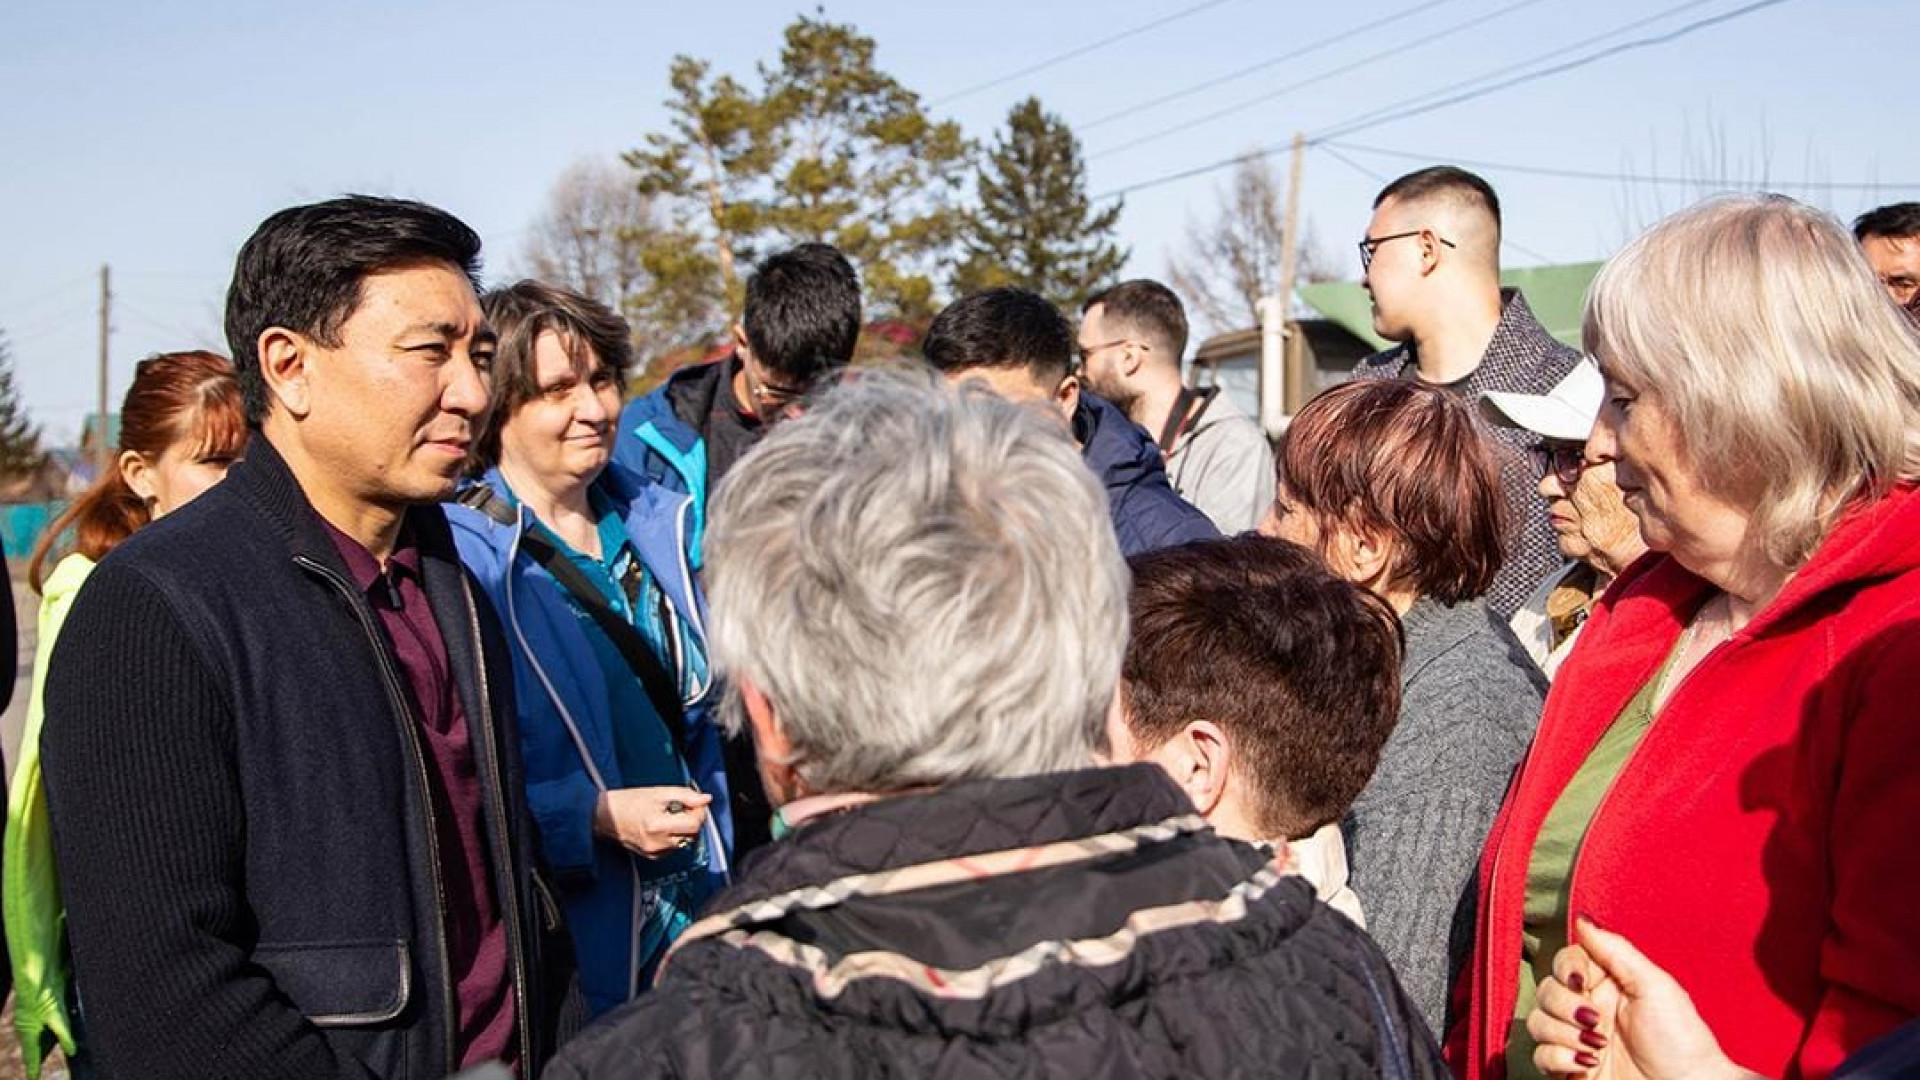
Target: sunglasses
[1566, 461]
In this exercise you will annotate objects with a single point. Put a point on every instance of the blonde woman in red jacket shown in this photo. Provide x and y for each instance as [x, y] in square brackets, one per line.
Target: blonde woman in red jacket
[1726, 770]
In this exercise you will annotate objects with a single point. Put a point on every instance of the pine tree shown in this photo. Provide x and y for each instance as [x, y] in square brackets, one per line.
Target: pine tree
[1034, 226]
[20, 451]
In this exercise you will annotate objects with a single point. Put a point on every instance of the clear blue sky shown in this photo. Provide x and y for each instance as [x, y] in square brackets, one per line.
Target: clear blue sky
[155, 136]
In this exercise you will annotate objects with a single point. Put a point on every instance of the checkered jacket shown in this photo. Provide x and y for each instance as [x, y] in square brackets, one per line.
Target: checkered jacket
[1522, 358]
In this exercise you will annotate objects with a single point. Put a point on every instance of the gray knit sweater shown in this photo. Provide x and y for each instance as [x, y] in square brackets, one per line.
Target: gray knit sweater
[1470, 702]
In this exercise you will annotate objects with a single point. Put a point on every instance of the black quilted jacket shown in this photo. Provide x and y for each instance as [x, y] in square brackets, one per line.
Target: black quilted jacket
[1081, 925]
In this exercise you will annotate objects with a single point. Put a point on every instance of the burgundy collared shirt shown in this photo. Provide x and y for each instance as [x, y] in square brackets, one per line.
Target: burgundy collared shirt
[476, 934]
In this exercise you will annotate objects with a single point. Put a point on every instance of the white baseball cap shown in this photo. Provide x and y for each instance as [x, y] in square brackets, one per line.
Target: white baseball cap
[1564, 413]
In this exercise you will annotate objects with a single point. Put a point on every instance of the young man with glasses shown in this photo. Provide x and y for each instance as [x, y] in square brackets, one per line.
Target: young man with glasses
[799, 326]
[797, 330]
[1431, 263]
[1132, 336]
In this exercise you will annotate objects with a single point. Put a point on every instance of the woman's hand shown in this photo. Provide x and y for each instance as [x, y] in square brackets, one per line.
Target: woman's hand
[651, 821]
[1609, 1013]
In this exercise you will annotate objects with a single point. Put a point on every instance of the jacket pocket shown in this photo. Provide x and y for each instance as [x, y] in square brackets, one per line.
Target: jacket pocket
[342, 984]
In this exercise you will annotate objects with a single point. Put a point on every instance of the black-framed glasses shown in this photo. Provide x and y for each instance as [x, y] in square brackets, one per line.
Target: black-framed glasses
[1372, 243]
[1566, 461]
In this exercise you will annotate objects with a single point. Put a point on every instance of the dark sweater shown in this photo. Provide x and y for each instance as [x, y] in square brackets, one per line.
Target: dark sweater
[1470, 700]
[981, 931]
[240, 807]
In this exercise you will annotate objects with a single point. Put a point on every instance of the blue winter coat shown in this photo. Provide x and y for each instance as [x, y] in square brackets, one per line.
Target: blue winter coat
[652, 441]
[1146, 512]
[566, 726]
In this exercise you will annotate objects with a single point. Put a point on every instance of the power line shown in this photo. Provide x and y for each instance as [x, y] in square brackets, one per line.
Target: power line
[1338, 130]
[1637, 178]
[1414, 108]
[51, 294]
[1304, 50]
[1076, 52]
[1530, 61]
[1384, 54]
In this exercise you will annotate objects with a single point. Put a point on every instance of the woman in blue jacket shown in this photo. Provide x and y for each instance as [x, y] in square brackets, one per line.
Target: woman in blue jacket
[585, 565]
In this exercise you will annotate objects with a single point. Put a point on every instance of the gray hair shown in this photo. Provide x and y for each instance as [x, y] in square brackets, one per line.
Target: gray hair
[1793, 380]
[924, 583]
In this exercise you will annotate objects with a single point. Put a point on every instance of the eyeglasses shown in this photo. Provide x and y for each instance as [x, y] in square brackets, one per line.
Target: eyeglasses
[1086, 351]
[771, 398]
[1565, 461]
[1372, 243]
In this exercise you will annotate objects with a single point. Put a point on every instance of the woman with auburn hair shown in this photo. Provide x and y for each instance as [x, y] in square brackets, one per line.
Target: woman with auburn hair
[181, 426]
[1397, 487]
[1725, 772]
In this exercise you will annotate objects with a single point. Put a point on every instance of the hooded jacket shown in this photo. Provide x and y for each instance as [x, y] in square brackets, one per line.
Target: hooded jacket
[1759, 843]
[1085, 924]
[566, 727]
[1145, 511]
[658, 442]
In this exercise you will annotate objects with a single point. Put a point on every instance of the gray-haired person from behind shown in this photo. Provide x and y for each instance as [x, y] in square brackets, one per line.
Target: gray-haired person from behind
[922, 609]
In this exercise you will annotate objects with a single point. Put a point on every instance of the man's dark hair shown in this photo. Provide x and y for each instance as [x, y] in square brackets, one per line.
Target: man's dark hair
[1150, 309]
[802, 314]
[1002, 327]
[519, 314]
[1896, 222]
[302, 268]
[1443, 180]
[1300, 669]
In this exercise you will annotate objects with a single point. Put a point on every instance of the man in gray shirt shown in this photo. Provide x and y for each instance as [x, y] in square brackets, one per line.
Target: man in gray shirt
[1131, 339]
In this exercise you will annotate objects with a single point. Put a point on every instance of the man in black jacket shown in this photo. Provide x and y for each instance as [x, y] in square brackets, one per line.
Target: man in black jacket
[278, 750]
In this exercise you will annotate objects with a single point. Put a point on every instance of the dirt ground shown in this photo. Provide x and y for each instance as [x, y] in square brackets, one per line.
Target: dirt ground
[10, 1067]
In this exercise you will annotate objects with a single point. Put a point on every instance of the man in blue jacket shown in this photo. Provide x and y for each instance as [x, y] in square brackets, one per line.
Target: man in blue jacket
[1018, 345]
[799, 325]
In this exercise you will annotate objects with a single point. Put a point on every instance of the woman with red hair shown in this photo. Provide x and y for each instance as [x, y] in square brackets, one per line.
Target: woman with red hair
[181, 425]
[1397, 486]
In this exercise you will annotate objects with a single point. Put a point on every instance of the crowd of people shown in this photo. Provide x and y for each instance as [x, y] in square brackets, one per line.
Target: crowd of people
[1016, 712]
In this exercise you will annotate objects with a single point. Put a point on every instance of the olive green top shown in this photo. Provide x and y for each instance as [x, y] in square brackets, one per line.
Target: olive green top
[1543, 931]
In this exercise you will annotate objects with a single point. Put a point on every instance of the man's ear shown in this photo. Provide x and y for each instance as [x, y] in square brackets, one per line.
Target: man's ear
[1131, 357]
[1199, 760]
[770, 745]
[740, 343]
[285, 357]
[1066, 397]
[137, 474]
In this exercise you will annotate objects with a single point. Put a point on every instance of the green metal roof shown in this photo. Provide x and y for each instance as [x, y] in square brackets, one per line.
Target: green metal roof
[1555, 293]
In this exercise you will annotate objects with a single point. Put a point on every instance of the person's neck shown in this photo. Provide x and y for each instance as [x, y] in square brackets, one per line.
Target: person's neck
[1154, 404]
[564, 508]
[1750, 585]
[374, 526]
[1452, 346]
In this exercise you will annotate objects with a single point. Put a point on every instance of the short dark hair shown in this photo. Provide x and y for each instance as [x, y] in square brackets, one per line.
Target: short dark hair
[1443, 180]
[520, 313]
[1897, 222]
[1409, 461]
[1001, 328]
[302, 270]
[1300, 669]
[802, 314]
[1151, 308]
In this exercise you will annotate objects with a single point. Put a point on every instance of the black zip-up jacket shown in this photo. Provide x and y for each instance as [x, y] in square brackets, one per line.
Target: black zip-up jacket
[1082, 925]
[240, 807]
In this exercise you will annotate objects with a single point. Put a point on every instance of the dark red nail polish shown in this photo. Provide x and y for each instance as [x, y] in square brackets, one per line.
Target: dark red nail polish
[1586, 1018]
[1586, 1061]
[1594, 1039]
[1577, 983]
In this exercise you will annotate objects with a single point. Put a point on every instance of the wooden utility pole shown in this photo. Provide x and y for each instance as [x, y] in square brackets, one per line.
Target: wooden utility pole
[102, 447]
[1296, 389]
[1281, 388]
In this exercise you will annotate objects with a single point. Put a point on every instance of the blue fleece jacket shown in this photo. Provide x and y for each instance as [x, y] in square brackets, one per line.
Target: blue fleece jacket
[566, 726]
